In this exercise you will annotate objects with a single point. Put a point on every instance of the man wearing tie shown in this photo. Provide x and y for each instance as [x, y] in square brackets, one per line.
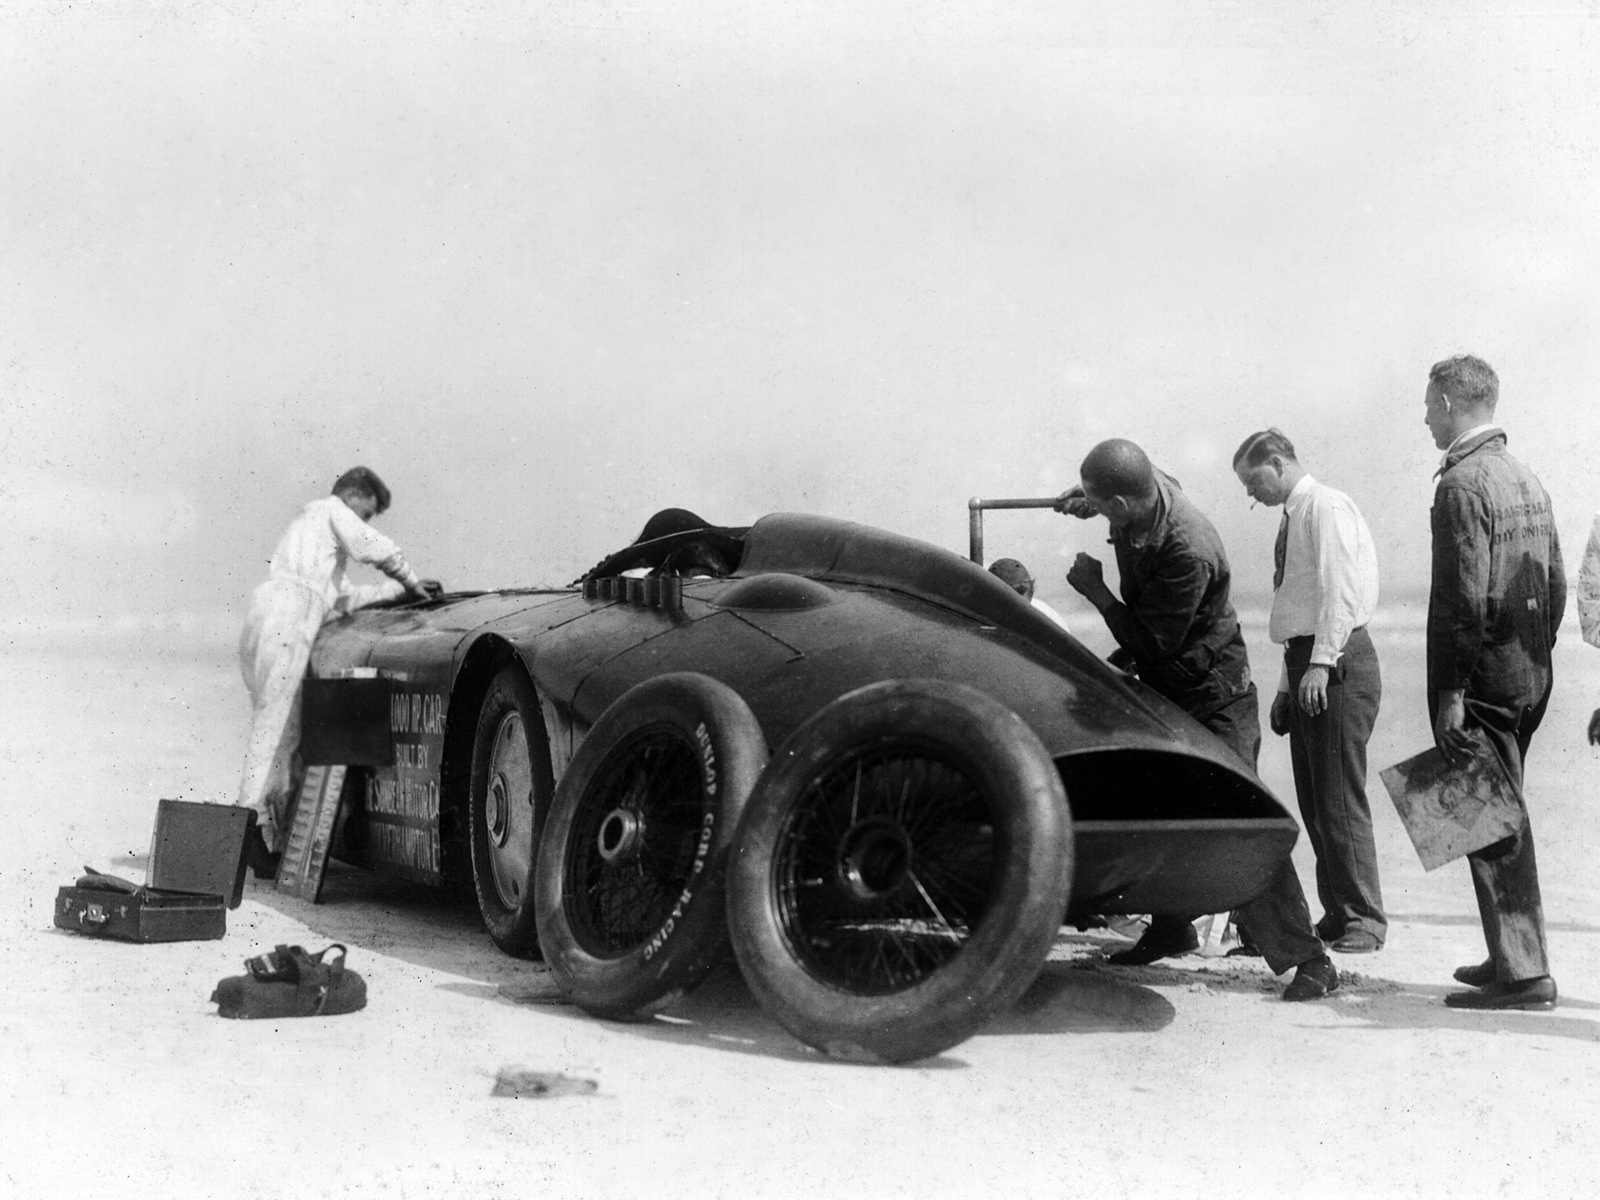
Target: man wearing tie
[1324, 591]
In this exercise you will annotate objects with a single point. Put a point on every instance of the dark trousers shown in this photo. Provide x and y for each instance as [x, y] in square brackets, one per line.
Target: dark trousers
[1278, 921]
[1329, 754]
[1505, 875]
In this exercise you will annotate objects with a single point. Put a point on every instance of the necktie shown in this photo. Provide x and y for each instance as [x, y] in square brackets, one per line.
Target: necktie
[1279, 551]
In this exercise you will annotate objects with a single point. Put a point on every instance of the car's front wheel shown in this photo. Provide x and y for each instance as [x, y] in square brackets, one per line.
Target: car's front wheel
[900, 871]
[511, 788]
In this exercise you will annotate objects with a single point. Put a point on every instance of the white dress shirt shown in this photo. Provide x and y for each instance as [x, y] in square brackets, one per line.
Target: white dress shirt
[322, 539]
[1589, 588]
[1330, 571]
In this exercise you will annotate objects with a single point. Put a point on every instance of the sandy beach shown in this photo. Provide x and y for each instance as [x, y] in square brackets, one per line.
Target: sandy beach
[1186, 1078]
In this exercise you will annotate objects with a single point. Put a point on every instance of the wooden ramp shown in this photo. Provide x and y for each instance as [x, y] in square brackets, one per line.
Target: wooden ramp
[305, 857]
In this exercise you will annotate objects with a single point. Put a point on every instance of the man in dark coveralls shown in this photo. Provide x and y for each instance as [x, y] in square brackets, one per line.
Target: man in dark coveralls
[1498, 592]
[1177, 624]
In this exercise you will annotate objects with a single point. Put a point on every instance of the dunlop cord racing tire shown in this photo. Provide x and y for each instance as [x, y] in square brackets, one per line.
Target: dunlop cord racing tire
[901, 871]
[629, 883]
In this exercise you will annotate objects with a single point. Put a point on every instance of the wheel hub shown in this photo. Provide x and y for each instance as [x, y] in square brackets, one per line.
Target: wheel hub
[621, 834]
[497, 811]
[874, 859]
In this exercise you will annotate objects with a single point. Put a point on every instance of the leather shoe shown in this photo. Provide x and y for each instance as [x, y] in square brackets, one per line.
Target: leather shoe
[1161, 940]
[1313, 980]
[1330, 929]
[1478, 975]
[1538, 993]
[1357, 941]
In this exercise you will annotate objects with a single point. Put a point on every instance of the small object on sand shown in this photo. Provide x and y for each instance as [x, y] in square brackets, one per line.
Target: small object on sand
[288, 982]
[545, 991]
[524, 1084]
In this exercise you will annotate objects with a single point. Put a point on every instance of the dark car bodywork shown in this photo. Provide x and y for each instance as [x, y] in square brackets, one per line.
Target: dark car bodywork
[1164, 817]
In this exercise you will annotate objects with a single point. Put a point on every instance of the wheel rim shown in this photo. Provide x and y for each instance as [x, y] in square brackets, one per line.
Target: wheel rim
[634, 843]
[508, 811]
[884, 868]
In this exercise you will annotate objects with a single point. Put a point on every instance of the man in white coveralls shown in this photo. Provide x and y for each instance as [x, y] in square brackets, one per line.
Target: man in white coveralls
[306, 582]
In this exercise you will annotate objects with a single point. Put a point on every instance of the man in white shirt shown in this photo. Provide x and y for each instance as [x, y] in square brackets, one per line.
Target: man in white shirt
[306, 582]
[1325, 590]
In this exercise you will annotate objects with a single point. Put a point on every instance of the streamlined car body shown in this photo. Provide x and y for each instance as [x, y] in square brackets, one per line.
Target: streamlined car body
[491, 697]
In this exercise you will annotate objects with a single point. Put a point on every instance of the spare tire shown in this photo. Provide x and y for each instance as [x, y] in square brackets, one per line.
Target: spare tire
[901, 871]
[629, 880]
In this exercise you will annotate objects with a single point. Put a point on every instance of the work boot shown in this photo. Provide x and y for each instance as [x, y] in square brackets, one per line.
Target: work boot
[1313, 979]
[1537, 994]
[1167, 937]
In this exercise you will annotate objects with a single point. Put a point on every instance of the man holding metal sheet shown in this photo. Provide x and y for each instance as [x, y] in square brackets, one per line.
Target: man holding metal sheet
[1177, 623]
[1324, 591]
[1496, 601]
[306, 583]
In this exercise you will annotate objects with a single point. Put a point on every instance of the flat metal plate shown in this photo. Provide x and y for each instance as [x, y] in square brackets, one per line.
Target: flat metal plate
[305, 857]
[1451, 811]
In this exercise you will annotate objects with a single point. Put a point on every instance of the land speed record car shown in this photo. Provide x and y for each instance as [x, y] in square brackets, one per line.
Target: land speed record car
[873, 767]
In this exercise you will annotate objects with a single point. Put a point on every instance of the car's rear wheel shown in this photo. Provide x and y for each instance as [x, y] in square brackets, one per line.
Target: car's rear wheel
[510, 795]
[901, 871]
[630, 872]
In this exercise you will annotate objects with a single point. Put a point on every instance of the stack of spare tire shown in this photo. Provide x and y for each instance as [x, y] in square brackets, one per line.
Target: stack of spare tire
[890, 878]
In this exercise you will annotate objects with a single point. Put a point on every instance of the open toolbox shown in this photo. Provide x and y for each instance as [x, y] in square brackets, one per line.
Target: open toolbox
[196, 872]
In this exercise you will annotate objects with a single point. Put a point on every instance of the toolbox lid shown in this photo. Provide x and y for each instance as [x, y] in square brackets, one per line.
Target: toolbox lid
[200, 848]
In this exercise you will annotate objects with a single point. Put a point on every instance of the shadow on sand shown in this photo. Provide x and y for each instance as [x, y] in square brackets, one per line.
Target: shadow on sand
[1473, 921]
[443, 932]
[1076, 993]
[1414, 1006]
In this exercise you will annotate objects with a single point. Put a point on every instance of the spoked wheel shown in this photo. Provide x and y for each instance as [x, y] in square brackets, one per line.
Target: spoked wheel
[630, 872]
[511, 788]
[902, 871]
[886, 868]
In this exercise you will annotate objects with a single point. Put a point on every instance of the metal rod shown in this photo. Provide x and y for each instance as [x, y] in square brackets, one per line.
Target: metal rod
[1025, 502]
[975, 509]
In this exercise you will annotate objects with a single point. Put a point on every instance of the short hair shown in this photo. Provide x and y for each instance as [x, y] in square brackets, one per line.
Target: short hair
[1014, 575]
[1259, 447]
[1117, 467]
[366, 481]
[1467, 379]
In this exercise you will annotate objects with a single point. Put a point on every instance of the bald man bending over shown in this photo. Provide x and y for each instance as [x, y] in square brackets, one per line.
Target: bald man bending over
[1175, 620]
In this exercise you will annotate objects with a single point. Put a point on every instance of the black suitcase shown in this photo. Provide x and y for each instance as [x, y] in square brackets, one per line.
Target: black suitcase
[105, 906]
[197, 869]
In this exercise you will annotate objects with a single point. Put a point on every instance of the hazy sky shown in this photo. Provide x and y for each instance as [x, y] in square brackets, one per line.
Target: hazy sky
[550, 267]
